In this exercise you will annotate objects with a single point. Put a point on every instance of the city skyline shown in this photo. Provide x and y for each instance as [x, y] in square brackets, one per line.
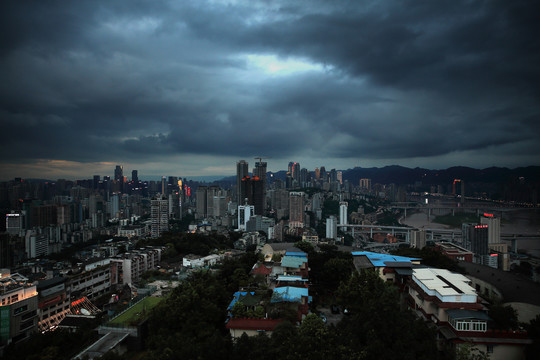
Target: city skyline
[190, 88]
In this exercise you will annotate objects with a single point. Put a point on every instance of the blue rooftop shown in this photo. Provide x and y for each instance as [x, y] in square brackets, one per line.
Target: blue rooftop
[290, 294]
[379, 260]
[290, 278]
[236, 296]
[296, 253]
[293, 261]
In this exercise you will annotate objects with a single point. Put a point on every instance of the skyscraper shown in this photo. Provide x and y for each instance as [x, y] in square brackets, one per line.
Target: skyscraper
[254, 193]
[159, 215]
[134, 176]
[331, 227]
[343, 213]
[494, 228]
[296, 209]
[201, 200]
[119, 173]
[241, 172]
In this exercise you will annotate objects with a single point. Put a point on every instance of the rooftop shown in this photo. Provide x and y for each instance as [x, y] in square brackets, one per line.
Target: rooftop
[289, 294]
[441, 282]
[253, 324]
[293, 261]
[379, 260]
[514, 288]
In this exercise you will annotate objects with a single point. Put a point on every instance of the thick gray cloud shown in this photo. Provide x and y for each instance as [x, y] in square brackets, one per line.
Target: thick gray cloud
[98, 81]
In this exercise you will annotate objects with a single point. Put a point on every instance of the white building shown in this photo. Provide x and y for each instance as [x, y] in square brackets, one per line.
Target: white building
[343, 214]
[127, 268]
[245, 212]
[494, 228]
[331, 227]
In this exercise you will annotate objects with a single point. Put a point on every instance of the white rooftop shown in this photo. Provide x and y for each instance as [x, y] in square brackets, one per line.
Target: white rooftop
[443, 283]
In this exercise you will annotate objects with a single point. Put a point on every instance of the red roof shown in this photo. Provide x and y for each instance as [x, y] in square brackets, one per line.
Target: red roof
[262, 270]
[253, 324]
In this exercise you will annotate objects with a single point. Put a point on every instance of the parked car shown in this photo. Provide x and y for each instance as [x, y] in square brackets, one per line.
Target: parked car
[323, 317]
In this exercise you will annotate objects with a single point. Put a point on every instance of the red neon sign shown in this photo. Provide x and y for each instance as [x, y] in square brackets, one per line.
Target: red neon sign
[488, 215]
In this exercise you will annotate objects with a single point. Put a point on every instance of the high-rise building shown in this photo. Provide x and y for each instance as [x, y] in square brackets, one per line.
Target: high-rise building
[254, 193]
[95, 182]
[494, 227]
[159, 216]
[201, 201]
[418, 239]
[331, 227]
[343, 213]
[365, 184]
[296, 209]
[14, 223]
[119, 173]
[245, 212]
[134, 176]
[317, 174]
[296, 171]
[340, 176]
[260, 171]
[164, 185]
[475, 238]
[241, 172]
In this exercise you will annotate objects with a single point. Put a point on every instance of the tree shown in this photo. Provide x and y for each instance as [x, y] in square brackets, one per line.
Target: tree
[467, 351]
[505, 317]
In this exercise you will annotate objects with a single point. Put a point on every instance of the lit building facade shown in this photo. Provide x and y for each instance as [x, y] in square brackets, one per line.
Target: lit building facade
[18, 308]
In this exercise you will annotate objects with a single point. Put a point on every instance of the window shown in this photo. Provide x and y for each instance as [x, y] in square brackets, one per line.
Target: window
[27, 324]
[19, 310]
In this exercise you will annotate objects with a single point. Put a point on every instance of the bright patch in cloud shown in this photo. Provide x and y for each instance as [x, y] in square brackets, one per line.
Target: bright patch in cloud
[282, 66]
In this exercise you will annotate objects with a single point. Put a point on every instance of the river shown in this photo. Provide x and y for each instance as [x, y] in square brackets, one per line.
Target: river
[519, 222]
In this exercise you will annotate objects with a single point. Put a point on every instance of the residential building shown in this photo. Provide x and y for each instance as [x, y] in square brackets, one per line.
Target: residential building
[331, 227]
[245, 212]
[128, 268]
[241, 173]
[452, 304]
[159, 216]
[93, 281]
[418, 239]
[343, 214]
[54, 302]
[454, 251]
[296, 209]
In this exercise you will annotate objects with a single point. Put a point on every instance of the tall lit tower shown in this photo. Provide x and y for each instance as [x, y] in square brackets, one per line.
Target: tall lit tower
[241, 172]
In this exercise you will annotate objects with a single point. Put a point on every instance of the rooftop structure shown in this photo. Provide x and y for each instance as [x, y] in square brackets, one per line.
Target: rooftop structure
[445, 285]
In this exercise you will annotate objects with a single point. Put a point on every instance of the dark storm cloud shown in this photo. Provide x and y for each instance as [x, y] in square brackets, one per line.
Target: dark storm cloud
[98, 81]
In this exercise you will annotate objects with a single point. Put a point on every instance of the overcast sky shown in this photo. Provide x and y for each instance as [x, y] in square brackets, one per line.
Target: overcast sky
[189, 87]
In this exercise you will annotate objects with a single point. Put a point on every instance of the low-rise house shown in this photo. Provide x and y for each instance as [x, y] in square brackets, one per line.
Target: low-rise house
[251, 327]
[449, 301]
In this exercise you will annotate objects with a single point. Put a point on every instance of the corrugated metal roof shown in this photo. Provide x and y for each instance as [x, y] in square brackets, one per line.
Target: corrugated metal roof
[293, 261]
[289, 294]
[378, 260]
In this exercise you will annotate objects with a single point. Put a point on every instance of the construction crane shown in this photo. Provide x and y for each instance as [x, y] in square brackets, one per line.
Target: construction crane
[261, 158]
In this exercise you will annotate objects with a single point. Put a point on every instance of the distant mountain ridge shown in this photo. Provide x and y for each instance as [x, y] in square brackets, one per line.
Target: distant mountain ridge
[400, 175]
